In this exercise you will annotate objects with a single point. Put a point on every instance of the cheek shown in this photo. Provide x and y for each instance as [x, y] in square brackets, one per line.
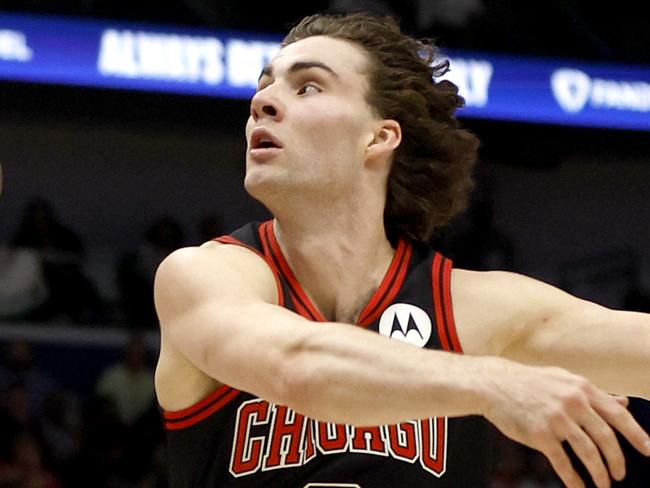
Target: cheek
[248, 129]
[340, 134]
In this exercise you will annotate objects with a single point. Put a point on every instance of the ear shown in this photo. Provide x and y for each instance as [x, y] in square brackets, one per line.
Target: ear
[387, 138]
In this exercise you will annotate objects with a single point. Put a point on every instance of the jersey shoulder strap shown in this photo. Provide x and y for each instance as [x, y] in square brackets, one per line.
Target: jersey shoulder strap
[249, 236]
[246, 236]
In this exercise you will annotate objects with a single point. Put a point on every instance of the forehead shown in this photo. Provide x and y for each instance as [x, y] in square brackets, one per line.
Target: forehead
[346, 59]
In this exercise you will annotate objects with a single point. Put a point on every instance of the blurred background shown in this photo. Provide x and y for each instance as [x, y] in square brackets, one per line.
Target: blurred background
[101, 184]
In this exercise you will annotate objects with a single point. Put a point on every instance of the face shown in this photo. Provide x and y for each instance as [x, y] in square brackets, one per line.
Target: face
[309, 124]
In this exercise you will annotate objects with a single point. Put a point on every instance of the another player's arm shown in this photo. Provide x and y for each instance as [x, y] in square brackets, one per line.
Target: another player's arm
[217, 307]
[535, 323]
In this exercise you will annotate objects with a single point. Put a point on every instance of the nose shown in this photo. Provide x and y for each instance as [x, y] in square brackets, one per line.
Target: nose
[264, 105]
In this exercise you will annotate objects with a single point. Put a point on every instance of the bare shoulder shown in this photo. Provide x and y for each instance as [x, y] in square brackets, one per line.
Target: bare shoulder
[191, 279]
[213, 271]
[493, 309]
[193, 264]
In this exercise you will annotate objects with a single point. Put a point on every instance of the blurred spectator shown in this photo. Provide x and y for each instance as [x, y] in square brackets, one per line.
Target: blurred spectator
[15, 414]
[157, 476]
[71, 294]
[59, 428]
[137, 269]
[19, 369]
[129, 383]
[103, 441]
[41, 229]
[100, 463]
[24, 467]
[22, 284]
[123, 424]
[20, 451]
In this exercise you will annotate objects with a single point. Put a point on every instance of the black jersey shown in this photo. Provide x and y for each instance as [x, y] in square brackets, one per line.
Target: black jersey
[235, 439]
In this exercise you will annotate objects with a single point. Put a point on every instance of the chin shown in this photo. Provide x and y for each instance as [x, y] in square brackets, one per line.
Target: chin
[272, 191]
[256, 178]
[260, 185]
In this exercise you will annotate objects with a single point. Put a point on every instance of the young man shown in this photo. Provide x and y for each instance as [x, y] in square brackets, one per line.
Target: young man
[277, 366]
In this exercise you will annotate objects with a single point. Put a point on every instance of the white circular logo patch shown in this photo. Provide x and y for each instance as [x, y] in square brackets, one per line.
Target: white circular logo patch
[406, 323]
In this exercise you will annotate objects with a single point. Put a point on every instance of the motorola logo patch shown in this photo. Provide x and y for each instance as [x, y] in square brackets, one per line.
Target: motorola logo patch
[571, 88]
[406, 323]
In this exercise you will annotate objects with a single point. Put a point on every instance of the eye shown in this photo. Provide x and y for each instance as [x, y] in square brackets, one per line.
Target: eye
[308, 88]
[264, 82]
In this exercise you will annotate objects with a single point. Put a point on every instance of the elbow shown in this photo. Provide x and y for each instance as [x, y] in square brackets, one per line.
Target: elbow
[305, 390]
[302, 381]
[310, 385]
[294, 381]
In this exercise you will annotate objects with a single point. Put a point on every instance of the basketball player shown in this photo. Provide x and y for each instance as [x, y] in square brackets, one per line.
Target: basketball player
[323, 348]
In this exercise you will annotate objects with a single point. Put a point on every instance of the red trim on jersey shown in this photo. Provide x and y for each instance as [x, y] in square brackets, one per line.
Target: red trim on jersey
[385, 285]
[268, 256]
[276, 275]
[449, 311]
[390, 286]
[297, 289]
[266, 247]
[232, 240]
[441, 283]
[300, 309]
[189, 416]
[186, 412]
[385, 294]
[436, 273]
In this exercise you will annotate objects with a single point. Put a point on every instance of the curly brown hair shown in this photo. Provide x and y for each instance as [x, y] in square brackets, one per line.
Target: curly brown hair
[431, 173]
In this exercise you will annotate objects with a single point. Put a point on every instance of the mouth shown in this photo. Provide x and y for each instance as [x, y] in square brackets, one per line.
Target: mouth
[263, 145]
[262, 138]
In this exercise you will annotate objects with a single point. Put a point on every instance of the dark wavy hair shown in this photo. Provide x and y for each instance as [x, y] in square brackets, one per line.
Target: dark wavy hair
[431, 173]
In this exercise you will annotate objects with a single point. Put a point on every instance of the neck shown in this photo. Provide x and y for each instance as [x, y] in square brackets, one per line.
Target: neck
[339, 256]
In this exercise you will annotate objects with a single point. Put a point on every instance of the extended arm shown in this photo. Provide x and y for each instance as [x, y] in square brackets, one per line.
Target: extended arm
[535, 323]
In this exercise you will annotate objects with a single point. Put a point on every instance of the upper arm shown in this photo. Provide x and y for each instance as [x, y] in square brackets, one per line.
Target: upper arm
[509, 314]
[535, 323]
[217, 309]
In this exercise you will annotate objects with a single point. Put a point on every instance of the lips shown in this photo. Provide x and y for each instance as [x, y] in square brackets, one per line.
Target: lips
[263, 145]
[261, 138]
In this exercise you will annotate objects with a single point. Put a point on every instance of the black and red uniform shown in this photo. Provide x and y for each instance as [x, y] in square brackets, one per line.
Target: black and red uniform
[235, 439]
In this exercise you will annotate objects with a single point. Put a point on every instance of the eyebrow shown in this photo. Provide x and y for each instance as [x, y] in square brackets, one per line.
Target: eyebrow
[299, 66]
